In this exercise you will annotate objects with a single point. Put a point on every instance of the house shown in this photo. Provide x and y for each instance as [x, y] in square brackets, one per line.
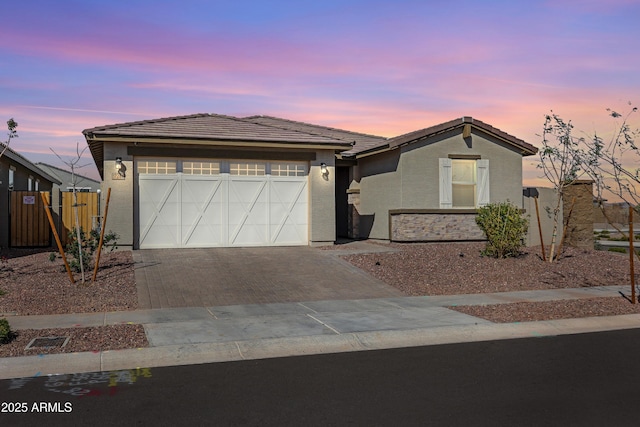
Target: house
[18, 174]
[83, 183]
[212, 180]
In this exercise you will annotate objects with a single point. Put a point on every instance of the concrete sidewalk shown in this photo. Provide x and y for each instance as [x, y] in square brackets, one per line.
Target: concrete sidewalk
[191, 335]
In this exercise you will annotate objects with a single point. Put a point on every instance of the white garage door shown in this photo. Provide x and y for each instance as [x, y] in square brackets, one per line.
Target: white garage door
[222, 203]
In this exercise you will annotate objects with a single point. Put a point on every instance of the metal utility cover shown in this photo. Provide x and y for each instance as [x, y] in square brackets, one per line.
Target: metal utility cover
[47, 342]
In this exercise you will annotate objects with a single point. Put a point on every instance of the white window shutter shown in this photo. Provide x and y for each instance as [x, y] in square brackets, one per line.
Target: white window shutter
[483, 182]
[446, 196]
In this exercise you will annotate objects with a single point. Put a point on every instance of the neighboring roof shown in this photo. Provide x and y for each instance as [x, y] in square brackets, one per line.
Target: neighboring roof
[64, 176]
[204, 129]
[525, 148]
[21, 160]
[360, 141]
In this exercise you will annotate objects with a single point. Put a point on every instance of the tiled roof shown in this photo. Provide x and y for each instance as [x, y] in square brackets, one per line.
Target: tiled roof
[211, 127]
[526, 148]
[207, 128]
[21, 160]
[360, 141]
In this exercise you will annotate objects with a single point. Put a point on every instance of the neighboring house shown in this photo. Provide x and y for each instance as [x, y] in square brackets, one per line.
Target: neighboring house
[18, 174]
[83, 183]
[211, 180]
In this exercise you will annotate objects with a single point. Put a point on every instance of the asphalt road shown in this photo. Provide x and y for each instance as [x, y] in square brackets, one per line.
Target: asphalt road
[581, 380]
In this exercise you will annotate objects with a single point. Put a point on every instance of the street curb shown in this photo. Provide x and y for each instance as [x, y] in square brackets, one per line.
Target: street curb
[187, 354]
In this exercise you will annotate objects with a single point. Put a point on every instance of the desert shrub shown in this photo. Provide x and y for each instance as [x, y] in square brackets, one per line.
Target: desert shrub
[5, 331]
[505, 228]
[89, 246]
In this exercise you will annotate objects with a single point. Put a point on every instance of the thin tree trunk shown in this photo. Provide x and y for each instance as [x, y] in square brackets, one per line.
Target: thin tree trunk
[554, 234]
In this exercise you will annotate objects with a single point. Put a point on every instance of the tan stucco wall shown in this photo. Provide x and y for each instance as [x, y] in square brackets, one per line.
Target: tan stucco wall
[380, 191]
[408, 177]
[121, 213]
[322, 211]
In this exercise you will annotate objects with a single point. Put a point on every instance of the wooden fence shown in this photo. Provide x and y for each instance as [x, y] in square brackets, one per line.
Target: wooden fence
[87, 213]
[30, 226]
[29, 223]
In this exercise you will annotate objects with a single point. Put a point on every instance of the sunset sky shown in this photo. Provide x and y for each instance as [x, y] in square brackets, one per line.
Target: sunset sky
[379, 67]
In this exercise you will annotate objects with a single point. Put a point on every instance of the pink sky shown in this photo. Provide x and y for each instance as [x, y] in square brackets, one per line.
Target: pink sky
[378, 67]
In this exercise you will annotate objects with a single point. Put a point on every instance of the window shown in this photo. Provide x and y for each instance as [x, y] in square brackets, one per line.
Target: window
[288, 169]
[156, 167]
[30, 183]
[12, 171]
[201, 168]
[37, 185]
[247, 169]
[464, 183]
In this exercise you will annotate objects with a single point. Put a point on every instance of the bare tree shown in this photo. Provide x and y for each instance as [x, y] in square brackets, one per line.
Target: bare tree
[560, 160]
[73, 164]
[613, 164]
[13, 133]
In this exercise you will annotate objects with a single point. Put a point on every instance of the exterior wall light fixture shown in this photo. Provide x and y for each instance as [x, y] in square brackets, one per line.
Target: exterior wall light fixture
[323, 169]
[121, 169]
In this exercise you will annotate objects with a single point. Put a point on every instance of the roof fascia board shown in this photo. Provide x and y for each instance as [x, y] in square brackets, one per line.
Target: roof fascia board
[520, 148]
[462, 124]
[373, 152]
[227, 143]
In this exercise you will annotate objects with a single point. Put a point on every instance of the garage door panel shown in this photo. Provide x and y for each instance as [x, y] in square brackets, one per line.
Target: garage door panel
[288, 211]
[202, 212]
[159, 211]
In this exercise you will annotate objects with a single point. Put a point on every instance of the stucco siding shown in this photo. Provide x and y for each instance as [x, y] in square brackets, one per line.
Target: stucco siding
[408, 177]
[322, 223]
[121, 204]
[380, 191]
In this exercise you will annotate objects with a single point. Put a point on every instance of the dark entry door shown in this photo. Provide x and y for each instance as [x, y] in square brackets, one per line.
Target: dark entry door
[342, 207]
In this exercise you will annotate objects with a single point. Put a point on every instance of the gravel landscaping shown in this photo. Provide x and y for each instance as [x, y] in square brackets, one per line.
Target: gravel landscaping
[95, 339]
[550, 310]
[30, 285]
[34, 285]
[458, 268]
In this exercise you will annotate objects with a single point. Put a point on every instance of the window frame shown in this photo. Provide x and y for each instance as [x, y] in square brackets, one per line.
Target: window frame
[482, 190]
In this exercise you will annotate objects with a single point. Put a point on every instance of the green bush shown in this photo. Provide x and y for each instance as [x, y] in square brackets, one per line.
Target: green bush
[89, 246]
[5, 331]
[505, 228]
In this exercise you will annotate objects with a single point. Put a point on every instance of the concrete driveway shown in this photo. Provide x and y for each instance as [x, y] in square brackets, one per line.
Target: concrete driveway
[230, 276]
